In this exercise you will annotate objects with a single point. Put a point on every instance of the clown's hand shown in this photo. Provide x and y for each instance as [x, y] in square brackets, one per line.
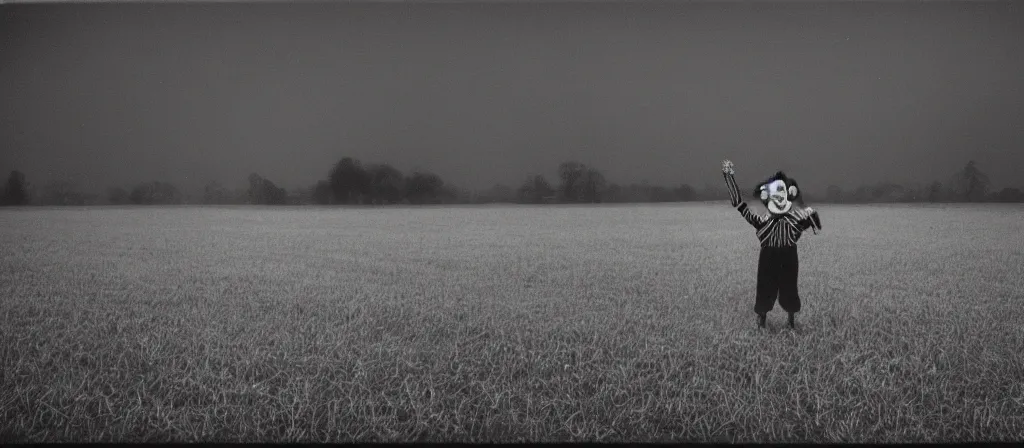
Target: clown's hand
[727, 167]
[815, 220]
[730, 182]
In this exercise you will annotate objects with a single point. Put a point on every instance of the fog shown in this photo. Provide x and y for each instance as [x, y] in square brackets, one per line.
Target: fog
[833, 93]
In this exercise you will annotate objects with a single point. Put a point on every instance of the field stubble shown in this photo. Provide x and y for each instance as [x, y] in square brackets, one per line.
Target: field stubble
[608, 323]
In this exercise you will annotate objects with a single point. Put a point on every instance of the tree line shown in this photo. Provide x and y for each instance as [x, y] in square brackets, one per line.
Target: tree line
[969, 184]
[350, 182]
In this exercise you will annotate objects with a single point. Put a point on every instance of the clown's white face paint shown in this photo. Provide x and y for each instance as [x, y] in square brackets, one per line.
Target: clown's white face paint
[778, 197]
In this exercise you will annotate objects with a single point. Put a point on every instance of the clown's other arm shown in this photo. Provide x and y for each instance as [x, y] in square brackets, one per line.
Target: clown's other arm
[809, 219]
[734, 196]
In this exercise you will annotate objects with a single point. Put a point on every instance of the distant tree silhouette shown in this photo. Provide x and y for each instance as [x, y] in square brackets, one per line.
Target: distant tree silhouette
[299, 196]
[117, 196]
[580, 183]
[640, 192]
[264, 192]
[256, 193]
[424, 188]
[501, 193]
[461, 195]
[910, 194]
[862, 194]
[450, 194]
[535, 190]
[322, 193]
[591, 186]
[613, 192]
[685, 193]
[16, 189]
[713, 192]
[155, 193]
[569, 173]
[349, 181]
[645, 192]
[886, 192]
[968, 184]
[62, 192]
[1009, 195]
[239, 196]
[659, 193]
[629, 193]
[214, 193]
[385, 184]
[972, 184]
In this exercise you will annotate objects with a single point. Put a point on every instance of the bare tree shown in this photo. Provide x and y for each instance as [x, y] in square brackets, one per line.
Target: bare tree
[972, 183]
[16, 190]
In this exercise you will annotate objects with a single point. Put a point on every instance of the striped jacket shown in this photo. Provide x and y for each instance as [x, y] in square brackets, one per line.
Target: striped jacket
[774, 230]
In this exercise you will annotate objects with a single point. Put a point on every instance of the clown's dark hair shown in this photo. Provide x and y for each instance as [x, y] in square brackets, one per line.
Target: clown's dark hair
[779, 175]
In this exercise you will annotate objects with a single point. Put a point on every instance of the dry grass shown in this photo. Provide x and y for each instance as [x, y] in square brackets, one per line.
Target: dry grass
[629, 323]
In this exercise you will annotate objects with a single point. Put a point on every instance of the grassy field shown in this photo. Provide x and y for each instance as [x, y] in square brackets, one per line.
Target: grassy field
[604, 323]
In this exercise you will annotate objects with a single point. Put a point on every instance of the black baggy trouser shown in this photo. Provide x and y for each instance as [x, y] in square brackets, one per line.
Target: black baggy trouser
[777, 269]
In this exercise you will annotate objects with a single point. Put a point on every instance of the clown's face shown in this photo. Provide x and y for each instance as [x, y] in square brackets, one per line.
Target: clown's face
[775, 196]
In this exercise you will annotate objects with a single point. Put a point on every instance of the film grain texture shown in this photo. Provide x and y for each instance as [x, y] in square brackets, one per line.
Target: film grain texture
[590, 323]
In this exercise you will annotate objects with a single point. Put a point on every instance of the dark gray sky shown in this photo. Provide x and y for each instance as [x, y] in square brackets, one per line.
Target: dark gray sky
[843, 93]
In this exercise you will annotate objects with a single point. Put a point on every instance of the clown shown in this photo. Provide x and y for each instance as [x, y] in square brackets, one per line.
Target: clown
[778, 230]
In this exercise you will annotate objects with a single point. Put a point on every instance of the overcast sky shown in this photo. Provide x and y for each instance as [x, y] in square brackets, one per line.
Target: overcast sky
[844, 93]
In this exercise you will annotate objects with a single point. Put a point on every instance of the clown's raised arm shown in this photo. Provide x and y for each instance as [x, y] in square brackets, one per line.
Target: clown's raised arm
[735, 198]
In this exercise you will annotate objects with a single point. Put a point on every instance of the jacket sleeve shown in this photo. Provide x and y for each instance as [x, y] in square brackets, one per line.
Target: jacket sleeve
[734, 197]
[810, 220]
[755, 220]
[734, 191]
